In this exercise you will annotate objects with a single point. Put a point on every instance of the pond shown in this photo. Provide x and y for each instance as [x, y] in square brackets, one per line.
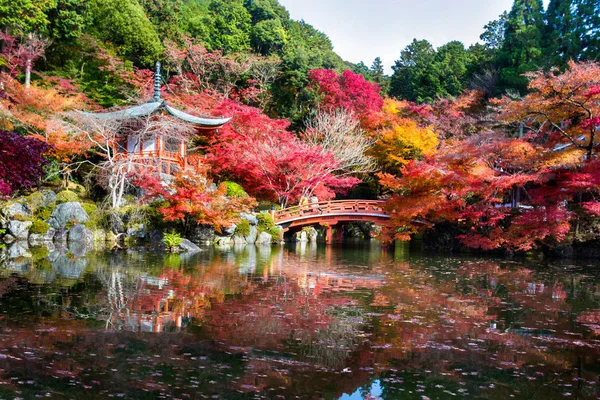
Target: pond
[298, 322]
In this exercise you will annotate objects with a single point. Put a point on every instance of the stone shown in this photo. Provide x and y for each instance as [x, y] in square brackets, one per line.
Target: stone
[203, 234]
[156, 237]
[250, 218]
[231, 230]
[252, 236]
[264, 238]
[67, 266]
[39, 239]
[312, 234]
[137, 232]
[80, 249]
[223, 240]
[18, 249]
[14, 209]
[238, 239]
[19, 229]
[8, 238]
[80, 233]
[60, 235]
[301, 236]
[188, 247]
[67, 213]
[49, 197]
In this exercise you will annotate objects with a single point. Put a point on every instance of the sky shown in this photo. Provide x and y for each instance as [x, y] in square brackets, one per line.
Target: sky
[364, 29]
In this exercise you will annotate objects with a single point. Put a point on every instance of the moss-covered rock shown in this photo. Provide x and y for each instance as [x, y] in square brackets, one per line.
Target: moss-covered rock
[67, 196]
[39, 227]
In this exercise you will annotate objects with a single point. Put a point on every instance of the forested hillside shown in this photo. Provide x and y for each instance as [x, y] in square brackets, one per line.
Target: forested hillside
[495, 140]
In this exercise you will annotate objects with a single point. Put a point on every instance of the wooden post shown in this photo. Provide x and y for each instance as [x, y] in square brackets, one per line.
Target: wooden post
[338, 233]
[328, 234]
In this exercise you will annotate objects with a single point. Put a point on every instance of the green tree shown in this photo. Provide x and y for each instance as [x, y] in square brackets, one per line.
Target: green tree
[226, 26]
[494, 32]
[25, 15]
[378, 71]
[268, 36]
[522, 47]
[124, 23]
[67, 20]
[588, 15]
[262, 10]
[412, 78]
[165, 15]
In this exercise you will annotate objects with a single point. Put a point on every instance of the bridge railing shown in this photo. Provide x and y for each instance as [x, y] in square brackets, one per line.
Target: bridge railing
[328, 207]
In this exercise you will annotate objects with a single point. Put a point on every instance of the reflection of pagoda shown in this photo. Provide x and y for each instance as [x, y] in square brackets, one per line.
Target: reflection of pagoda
[168, 150]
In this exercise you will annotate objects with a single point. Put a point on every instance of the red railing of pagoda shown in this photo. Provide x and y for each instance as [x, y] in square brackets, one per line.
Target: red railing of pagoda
[337, 207]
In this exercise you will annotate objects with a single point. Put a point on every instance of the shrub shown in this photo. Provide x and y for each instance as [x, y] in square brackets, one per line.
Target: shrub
[90, 208]
[22, 218]
[172, 240]
[265, 221]
[39, 227]
[67, 196]
[235, 190]
[44, 213]
[243, 228]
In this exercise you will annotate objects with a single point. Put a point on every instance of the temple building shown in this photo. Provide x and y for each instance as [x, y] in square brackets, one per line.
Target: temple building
[167, 151]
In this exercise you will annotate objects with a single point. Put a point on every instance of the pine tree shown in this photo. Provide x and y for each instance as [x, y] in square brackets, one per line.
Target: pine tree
[522, 48]
[588, 12]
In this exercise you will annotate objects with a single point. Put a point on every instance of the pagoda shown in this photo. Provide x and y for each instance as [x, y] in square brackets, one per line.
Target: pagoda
[165, 151]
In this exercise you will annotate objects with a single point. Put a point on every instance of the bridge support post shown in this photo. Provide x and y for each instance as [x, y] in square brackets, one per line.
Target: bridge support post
[339, 233]
[328, 234]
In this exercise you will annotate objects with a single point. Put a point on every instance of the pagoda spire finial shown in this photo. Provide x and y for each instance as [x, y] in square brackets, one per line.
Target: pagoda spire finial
[156, 97]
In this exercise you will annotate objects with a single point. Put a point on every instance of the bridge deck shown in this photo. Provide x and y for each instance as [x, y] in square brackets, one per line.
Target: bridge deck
[328, 211]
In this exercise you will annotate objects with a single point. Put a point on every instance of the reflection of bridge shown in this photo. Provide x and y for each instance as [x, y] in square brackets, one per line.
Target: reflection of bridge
[331, 214]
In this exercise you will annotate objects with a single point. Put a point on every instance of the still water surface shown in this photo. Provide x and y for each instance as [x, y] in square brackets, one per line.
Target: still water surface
[303, 322]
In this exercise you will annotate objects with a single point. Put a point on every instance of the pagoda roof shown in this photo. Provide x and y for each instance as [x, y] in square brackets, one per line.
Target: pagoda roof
[155, 106]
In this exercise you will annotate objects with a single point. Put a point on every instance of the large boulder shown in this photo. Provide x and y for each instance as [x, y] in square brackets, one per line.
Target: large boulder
[156, 237]
[250, 218]
[312, 234]
[230, 231]
[39, 239]
[67, 265]
[187, 246]
[137, 231]
[49, 197]
[252, 236]
[60, 235]
[223, 240]
[203, 234]
[11, 210]
[19, 229]
[18, 250]
[67, 213]
[239, 239]
[80, 233]
[301, 236]
[264, 238]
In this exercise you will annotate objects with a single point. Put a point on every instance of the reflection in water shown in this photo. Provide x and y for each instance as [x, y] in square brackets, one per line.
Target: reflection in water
[298, 322]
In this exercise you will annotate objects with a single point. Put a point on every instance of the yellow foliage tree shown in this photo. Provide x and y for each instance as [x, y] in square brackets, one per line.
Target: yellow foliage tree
[399, 139]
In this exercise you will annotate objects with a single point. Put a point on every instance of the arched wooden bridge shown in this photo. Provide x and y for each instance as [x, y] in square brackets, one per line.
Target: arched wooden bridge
[331, 214]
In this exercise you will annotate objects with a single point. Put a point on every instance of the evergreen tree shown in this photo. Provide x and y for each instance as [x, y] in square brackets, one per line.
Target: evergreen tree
[25, 15]
[226, 26]
[125, 24]
[588, 12]
[522, 47]
[377, 71]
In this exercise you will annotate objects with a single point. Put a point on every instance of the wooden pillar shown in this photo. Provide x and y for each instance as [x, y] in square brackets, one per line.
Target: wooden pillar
[328, 234]
[338, 233]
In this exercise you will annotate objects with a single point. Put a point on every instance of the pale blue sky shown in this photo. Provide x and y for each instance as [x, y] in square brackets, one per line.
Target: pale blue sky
[364, 29]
